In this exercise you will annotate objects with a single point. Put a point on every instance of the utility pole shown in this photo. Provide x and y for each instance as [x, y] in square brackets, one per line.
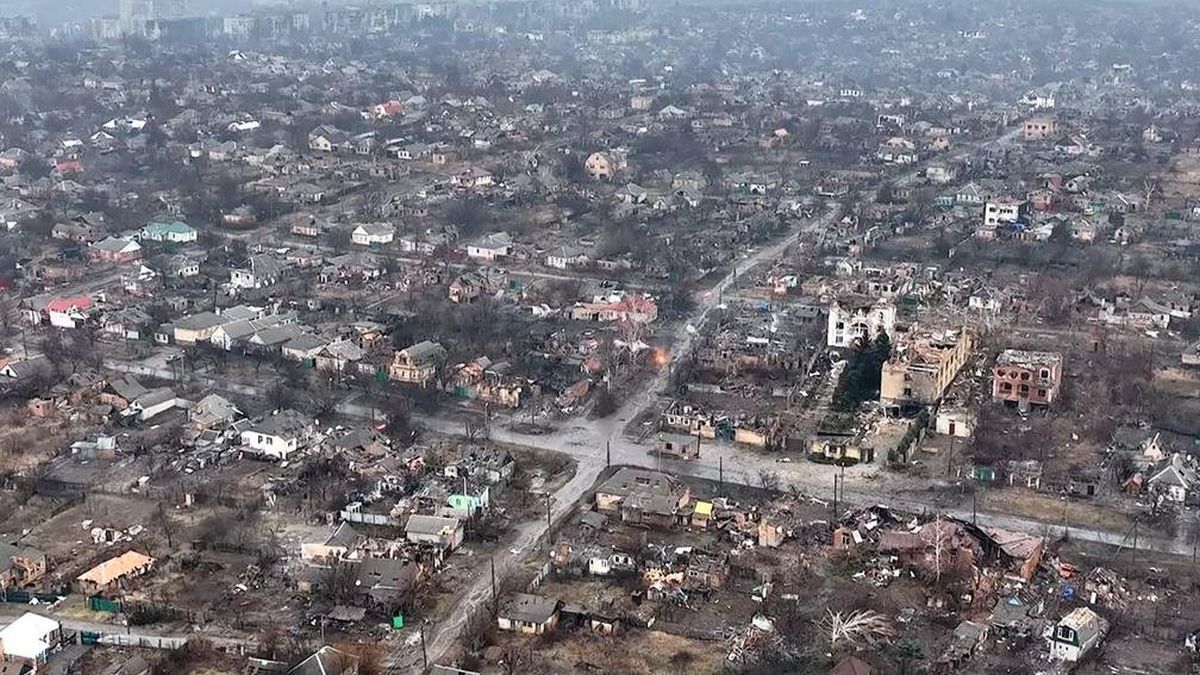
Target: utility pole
[721, 471]
[548, 523]
[835, 497]
[842, 482]
[608, 454]
[950, 457]
[973, 511]
[1135, 535]
[424, 654]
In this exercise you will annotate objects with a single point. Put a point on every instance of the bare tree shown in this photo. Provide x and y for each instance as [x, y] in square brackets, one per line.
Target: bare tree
[338, 582]
[167, 523]
[769, 480]
[856, 630]
[1150, 189]
[514, 660]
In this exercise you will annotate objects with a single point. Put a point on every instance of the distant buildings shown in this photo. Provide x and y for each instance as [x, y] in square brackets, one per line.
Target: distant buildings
[1040, 129]
[1005, 211]
[604, 165]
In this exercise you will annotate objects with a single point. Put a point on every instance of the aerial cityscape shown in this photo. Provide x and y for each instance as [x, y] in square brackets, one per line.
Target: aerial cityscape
[829, 337]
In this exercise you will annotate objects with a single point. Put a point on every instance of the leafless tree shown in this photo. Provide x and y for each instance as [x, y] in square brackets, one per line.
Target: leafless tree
[856, 630]
[1150, 189]
[769, 480]
[167, 523]
[338, 582]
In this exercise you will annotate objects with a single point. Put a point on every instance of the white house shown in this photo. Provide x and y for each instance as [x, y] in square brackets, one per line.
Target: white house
[1076, 634]
[863, 321]
[437, 531]
[175, 232]
[1003, 211]
[898, 150]
[957, 422]
[472, 177]
[491, 247]
[939, 175]
[279, 435]
[563, 257]
[1175, 481]
[30, 640]
[260, 271]
[373, 234]
[604, 165]
[153, 403]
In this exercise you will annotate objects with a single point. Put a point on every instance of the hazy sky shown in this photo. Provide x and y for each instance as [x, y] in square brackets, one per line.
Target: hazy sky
[53, 12]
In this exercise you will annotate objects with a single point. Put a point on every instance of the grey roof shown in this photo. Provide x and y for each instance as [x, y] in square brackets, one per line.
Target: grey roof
[114, 245]
[343, 349]
[265, 265]
[240, 312]
[30, 367]
[429, 525]
[496, 240]
[126, 387]
[376, 229]
[345, 536]
[386, 574]
[327, 661]
[529, 608]
[424, 351]
[278, 335]
[240, 328]
[201, 321]
[8, 551]
[305, 343]
[1176, 474]
[284, 424]
[628, 481]
[155, 397]
[214, 408]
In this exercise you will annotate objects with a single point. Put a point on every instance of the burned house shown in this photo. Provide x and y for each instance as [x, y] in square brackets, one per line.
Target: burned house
[1024, 379]
[643, 497]
[938, 548]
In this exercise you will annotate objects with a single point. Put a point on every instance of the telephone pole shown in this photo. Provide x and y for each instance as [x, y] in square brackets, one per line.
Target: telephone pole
[835, 497]
[424, 653]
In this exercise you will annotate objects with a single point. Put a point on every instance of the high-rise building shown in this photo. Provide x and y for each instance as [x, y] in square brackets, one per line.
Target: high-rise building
[136, 14]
